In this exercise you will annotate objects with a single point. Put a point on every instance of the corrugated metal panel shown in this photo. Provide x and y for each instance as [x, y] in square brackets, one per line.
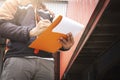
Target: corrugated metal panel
[104, 37]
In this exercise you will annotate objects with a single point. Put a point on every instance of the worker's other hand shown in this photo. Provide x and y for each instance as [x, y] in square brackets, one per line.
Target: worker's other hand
[40, 27]
[68, 42]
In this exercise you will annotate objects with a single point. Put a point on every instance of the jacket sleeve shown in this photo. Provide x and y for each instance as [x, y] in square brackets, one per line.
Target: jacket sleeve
[14, 32]
[8, 29]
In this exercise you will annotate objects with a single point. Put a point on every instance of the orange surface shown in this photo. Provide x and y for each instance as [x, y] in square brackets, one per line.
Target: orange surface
[48, 40]
[81, 11]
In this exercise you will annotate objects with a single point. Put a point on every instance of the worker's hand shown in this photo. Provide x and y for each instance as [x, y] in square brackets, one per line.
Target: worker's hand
[68, 42]
[40, 27]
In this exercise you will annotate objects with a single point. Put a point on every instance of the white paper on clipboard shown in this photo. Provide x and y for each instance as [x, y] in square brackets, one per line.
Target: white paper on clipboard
[67, 25]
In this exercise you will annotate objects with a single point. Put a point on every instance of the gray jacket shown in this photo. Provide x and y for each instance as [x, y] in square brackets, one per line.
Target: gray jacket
[17, 30]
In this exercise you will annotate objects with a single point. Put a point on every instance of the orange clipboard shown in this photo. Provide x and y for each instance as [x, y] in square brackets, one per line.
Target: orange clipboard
[48, 40]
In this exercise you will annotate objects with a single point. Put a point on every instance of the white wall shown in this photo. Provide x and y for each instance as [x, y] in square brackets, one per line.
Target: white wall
[1, 2]
[58, 7]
